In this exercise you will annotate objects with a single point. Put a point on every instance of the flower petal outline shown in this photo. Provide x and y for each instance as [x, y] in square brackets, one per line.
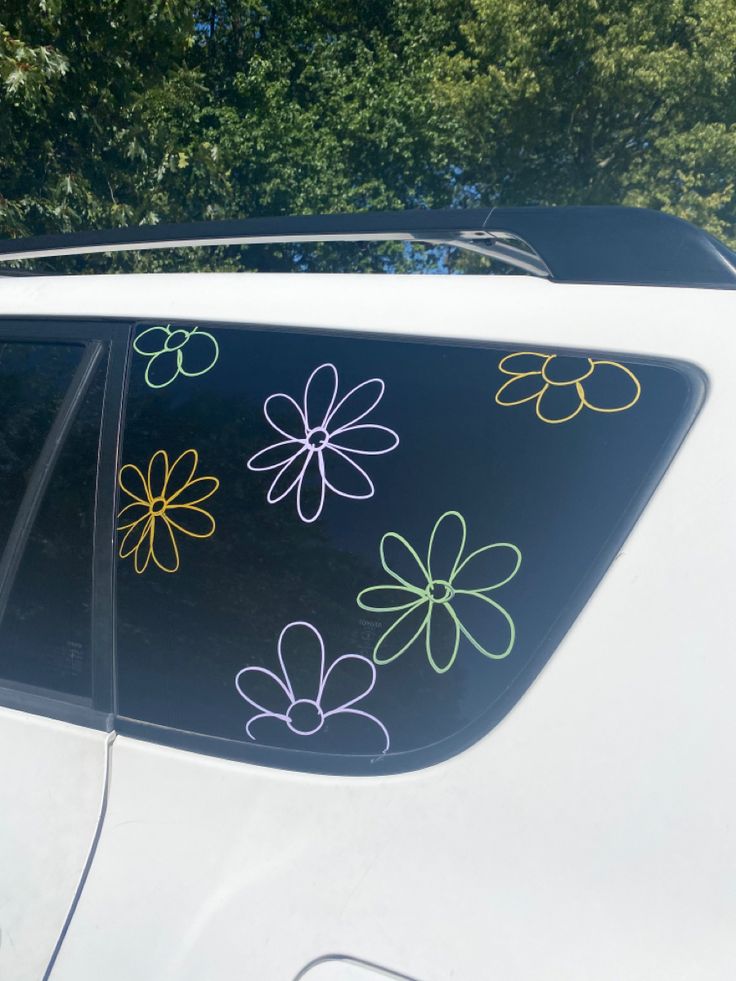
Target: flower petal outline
[399, 620]
[164, 550]
[310, 514]
[203, 487]
[149, 333]
[315, 633]
[411, 591]
[145, 497]
[352, 463]
[182, 356]
[144, 551]
[181, 474]
[557, 391]
[504, 613]
[294, 447]
[504, 362]
[167, 362]
[526, 398]
[277, 493]
[123, 550]
[443, 519]
[254, 669]
[350, 701]
[346, 430]
[343, 401]
[620, 408]
[271, 401]
[157, 474]
[128, 507]
[318, 418]
[395, 536]
[367, 715]
[187, 509]
[572, 381]
[435, 612]
[481, 551]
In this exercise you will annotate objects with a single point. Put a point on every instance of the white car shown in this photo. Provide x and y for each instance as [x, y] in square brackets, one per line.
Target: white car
[286, 559]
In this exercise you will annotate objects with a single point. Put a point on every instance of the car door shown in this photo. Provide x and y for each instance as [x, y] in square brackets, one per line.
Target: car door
[58, 381]
[277, 616]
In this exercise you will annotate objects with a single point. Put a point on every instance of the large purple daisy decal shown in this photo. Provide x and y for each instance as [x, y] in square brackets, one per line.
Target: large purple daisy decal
[320, 438]
[303, 695]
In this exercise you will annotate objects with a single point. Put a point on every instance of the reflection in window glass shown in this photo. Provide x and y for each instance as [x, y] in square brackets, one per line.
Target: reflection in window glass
[34, 379]
[45, 633]
[353, 554]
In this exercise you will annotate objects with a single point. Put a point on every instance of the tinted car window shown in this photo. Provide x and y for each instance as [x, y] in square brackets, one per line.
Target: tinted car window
[33, 381]
[51, 397]
[353, 554]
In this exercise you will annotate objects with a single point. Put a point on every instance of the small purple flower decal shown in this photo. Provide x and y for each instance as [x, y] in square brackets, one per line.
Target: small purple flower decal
[320, 438]
[304, 695]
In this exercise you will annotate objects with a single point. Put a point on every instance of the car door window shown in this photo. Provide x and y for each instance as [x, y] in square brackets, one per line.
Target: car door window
[50, 406]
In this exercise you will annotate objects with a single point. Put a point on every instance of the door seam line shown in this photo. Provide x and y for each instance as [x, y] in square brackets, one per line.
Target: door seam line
[109, 740]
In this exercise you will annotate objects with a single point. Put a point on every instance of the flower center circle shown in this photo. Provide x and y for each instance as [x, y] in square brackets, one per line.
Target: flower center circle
[158, 505]
[304, 717]
[317, 438]
[176, 339]
[440, 591]
[566, 371]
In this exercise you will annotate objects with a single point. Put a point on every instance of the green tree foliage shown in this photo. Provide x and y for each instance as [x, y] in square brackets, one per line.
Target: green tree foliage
[600, 102]
[126, 111]
[72, 119]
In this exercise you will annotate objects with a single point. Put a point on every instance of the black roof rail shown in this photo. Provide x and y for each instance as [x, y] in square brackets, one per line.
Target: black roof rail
[617, 245]
[594, 244]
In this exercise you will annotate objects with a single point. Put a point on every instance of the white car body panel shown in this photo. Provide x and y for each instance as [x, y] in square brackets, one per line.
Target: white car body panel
[589, 835]
[52, 778]
[346, 969]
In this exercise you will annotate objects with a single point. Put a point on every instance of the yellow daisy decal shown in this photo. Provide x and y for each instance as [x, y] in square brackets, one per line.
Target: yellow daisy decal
[561, 386]
[165, 502]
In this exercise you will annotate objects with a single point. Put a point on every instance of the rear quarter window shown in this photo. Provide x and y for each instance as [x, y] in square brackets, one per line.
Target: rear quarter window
[352, 554]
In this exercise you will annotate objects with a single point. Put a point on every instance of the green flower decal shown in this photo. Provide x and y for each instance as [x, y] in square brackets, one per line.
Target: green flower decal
[438, 598]
[175, 351]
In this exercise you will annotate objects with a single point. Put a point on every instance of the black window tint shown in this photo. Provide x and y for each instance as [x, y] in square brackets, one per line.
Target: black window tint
[51, 396]
[34, 379]
[353, 554]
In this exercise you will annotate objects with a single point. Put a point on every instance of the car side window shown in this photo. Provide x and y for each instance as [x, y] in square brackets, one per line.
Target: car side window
[353, 554]
[50, 406]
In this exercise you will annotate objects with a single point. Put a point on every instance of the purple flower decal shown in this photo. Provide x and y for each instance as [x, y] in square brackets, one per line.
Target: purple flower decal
[304, 695]
[320, 438]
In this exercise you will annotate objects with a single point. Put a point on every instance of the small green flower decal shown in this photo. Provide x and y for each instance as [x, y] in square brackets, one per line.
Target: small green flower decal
[439, 597]
[174, 351]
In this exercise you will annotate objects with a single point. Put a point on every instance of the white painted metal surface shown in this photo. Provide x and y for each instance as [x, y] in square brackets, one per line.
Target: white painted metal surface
[51, 782]
[590, 835]
[346, 969]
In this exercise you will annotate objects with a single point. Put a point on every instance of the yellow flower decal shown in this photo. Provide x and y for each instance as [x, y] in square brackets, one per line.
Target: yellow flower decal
[561, 386]
[165, 501]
